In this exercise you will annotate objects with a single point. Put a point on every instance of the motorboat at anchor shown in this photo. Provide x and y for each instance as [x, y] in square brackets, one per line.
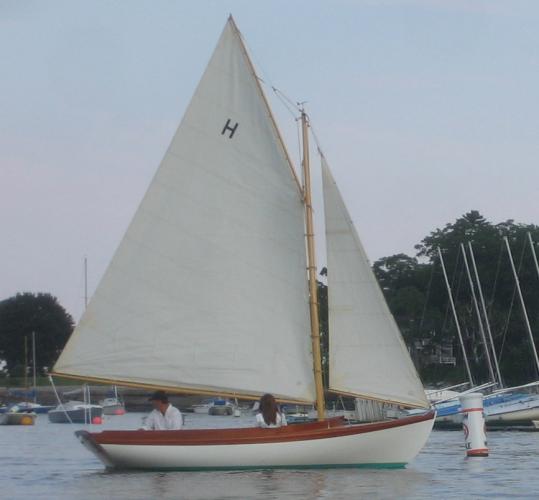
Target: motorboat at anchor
[112, 406]
[29, 407]
[76, 412]
[14, 416]
[214, 406]
[221, 407]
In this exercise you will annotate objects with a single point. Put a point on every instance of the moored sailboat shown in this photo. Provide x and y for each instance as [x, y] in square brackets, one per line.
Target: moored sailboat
[225, 202]
[112, 404]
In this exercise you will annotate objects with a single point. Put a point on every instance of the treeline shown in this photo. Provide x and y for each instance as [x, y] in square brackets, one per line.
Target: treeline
[416, 293]
[21, 316]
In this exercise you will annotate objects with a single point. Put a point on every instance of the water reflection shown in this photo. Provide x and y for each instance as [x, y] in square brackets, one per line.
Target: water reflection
[46, 461]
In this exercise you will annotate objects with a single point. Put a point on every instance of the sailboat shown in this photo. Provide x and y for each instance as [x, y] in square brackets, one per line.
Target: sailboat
[112, 403]
[212, 291]
[508, 405]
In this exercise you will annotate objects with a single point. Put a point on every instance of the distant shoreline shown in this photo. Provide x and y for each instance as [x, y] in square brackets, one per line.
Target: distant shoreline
[135, 399]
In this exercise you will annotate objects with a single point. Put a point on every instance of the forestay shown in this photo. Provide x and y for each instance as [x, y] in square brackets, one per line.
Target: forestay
[367, 355]
[207, 290]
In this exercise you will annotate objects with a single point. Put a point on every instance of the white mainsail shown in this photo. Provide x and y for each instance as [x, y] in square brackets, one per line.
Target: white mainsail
[367, 355]
[207, 290]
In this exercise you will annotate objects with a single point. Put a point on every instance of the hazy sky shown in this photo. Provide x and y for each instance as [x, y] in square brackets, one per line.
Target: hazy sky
[425, 110]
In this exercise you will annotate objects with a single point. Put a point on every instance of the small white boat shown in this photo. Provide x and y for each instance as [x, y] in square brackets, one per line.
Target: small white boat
[203, 407]
[29, 407]
[14, 416]
[516, 410]
[76, 412]
[523, 412]
[221, 407]
[215, 406]
[112, 406]
[435, 395]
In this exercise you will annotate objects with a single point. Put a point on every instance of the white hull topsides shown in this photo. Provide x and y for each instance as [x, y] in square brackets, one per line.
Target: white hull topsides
[388, 447]
[515, 412]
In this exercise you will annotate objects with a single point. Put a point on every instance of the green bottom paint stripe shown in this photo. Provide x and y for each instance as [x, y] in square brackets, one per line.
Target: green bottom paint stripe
[268, 467]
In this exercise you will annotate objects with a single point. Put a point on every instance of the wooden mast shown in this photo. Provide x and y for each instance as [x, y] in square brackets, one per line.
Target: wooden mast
[311, 266]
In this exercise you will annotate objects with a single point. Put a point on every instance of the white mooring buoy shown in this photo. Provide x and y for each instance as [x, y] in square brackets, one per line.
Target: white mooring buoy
[473, 424]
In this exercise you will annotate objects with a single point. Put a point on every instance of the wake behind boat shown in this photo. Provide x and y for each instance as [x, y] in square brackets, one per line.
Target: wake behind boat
[226, 201]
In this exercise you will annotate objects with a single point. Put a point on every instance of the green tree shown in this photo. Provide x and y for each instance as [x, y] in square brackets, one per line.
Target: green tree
[25, 313]
[415, 291]
[322, 292]
[505, 315]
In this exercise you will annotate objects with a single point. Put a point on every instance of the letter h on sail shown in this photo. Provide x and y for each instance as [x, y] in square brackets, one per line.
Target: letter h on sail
[230, 129]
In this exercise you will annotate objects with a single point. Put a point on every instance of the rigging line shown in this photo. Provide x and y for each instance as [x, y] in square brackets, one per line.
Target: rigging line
[284, 101]
[59, 400]
[506, 327]
[267, 80]
[290, 103]
[253, 57]
[429, 285]
[496, 276]
[453, 278]
[459, 282]
[316, 140]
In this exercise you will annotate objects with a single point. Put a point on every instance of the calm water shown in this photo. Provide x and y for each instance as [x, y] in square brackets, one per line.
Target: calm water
[46, 461]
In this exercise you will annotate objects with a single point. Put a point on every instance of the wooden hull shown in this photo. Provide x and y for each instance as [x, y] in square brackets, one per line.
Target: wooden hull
[331, 443]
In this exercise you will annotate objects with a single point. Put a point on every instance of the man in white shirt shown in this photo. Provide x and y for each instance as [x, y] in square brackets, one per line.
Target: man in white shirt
[164, 417]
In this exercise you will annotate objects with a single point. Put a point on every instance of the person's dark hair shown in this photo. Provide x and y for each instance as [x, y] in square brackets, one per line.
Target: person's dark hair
[268, 409]
[159, 396]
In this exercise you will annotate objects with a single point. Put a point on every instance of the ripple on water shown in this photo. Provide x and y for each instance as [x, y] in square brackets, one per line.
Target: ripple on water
[46, 461]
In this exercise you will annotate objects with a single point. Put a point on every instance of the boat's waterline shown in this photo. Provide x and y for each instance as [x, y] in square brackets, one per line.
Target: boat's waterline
[302, 446]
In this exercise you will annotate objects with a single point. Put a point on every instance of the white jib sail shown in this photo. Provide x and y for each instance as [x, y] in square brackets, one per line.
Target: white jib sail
[367, 355]
[208, 288]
